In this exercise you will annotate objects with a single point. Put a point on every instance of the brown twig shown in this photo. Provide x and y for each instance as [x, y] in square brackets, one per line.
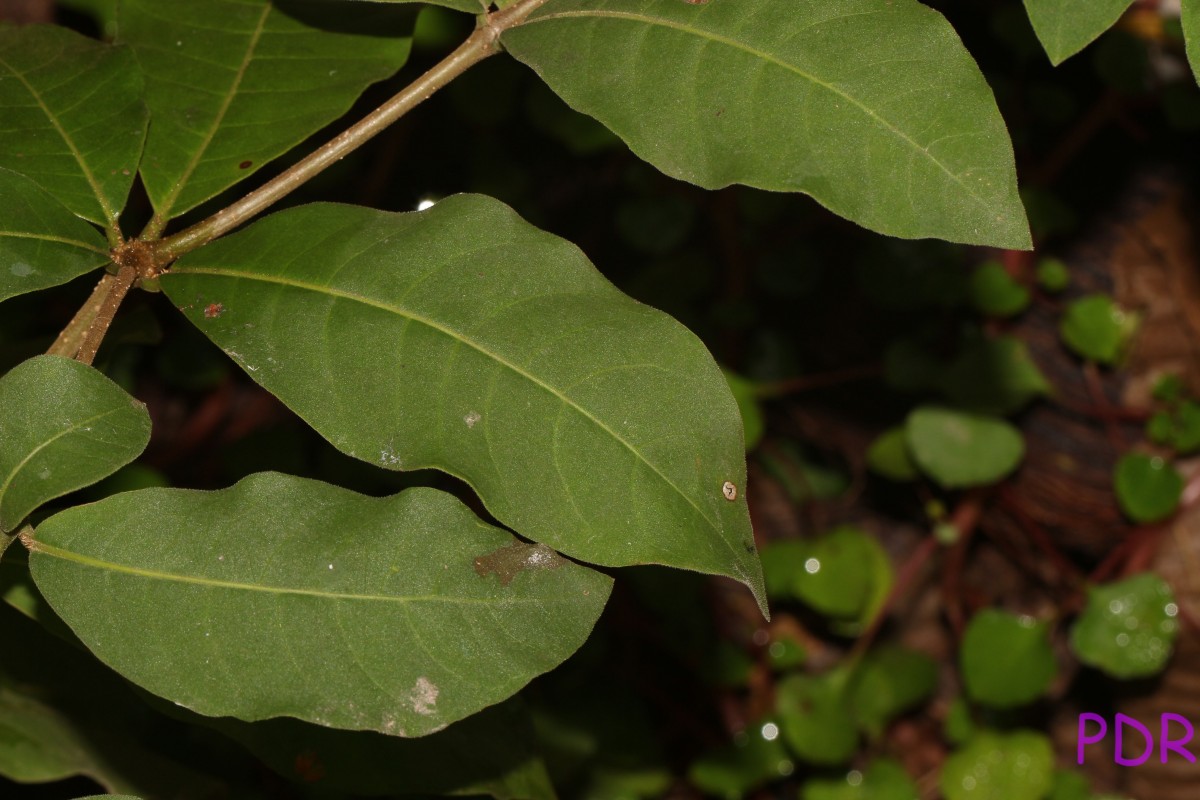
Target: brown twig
[116, 291]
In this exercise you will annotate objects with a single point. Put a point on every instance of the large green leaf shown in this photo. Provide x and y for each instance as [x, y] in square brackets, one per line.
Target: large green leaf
[282, 596]
[71, 117]
[63, 426]
[41, 243]
[232, 84]
[463, 338]
[1067, 26]
[872, 107]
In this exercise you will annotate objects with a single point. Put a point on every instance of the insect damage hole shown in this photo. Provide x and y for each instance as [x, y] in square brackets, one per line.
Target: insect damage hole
[729, 490]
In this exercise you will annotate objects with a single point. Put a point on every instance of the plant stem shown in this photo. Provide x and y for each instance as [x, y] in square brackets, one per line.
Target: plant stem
[69, 341]
[481, 44]
[111, 301]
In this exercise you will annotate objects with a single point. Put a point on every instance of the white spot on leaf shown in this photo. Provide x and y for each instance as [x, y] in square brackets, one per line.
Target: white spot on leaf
[472, 418]
[21, 269]
[424, 696]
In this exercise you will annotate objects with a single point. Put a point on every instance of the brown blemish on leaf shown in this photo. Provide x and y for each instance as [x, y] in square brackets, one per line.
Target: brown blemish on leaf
[729, 490]
[245, 165]
[516, 557]
[213, 310]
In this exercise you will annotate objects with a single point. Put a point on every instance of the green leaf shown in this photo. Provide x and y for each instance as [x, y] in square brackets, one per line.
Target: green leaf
[888, 455]
[833, 580]
[883, 780]
[1180, 430]
[959, 449]
[464, 339]
[888, 682]
[333, 607]
[1006, 660]
[993, 376]
[1069, 785]
[64, 426]
[757, 756]
[1148, 487]
[1067, 26]
[232, 84]
[41, 243]
[73, 118]
[1128, 628]
[959, 726]
[815, 718]
[995, 766]
[1053, 275]
[1190, 17]
[1097, 329]
[763, 94]
[995, 293]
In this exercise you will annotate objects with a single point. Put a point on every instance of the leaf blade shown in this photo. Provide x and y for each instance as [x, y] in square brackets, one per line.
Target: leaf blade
[303, 616]
[41, 243]
[1064, 27]
[65, 426]
[233, 85]
[854, 143]
[481, 346]
[74, 119]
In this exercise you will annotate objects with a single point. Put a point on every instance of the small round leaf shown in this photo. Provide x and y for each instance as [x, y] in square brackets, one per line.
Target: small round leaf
[995, 293]
[959, 449]
[996, 766]
[888, 456]
[1128, 628]
[1052, 275]
[1097, 328]
[815, 717]
[1148, 487]
[1006, 659]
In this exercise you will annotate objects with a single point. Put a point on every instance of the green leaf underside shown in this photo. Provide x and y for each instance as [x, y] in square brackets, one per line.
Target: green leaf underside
[37, 744]
[63, 426]
[232, 84]
[1065, 27]
[464, 339]
[907, 141]
[282, 596]
[1190, 17]
[42, 244]
[71, 117]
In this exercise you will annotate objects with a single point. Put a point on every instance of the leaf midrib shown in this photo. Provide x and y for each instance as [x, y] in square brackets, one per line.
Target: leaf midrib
[746, 48]
[57, 239]
[110, 215]
[49, 550]
[457, 336]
